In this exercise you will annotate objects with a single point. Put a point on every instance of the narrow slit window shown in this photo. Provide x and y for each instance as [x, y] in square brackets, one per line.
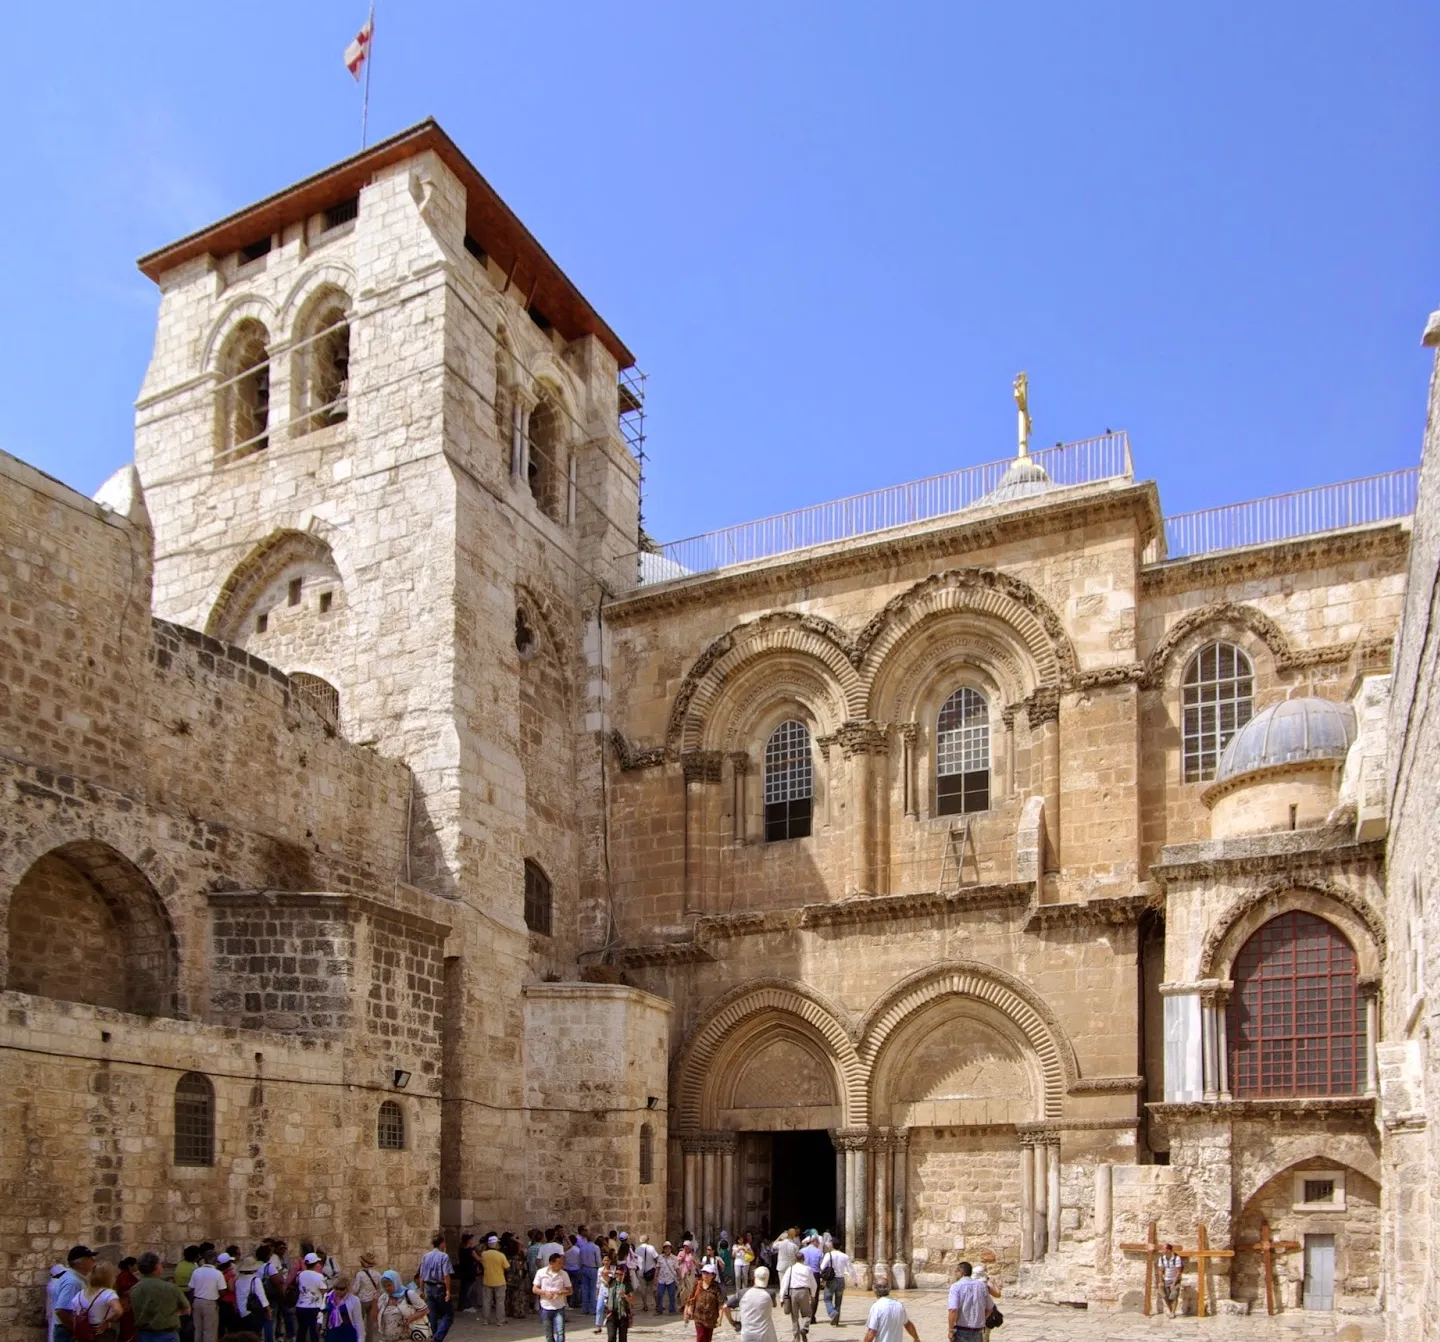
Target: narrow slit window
[962, 754]
[789, 783]
[539, 899]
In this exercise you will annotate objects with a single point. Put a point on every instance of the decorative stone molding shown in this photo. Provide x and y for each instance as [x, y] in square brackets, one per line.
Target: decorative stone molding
[1269, 773]
[1217, 613]
[1114, 911]
[702, 766]
[1303, 1107]
[1291, 852]
[1106, 676]
[1107, 1085]
[632, 757]
[850, 1139]
[862, 737]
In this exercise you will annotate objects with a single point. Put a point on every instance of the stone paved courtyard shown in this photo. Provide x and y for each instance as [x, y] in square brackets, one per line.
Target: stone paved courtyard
[1024, 1322]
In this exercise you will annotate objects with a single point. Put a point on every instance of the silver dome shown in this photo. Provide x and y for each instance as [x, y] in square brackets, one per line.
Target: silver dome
[1023, 478]
[1288, 732]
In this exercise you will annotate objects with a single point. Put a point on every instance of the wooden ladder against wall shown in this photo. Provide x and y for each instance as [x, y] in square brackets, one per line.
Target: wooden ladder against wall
[952, 862]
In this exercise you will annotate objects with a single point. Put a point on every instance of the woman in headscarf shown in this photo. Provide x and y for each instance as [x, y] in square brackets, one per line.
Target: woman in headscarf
[401, 1305]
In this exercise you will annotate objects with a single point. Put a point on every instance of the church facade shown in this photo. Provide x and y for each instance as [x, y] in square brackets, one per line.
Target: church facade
[381, 807]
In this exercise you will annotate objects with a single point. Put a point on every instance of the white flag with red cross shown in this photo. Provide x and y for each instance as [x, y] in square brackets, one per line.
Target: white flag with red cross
[357, 52]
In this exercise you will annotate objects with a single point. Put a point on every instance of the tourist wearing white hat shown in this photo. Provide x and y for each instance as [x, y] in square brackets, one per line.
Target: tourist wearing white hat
[493, 1266]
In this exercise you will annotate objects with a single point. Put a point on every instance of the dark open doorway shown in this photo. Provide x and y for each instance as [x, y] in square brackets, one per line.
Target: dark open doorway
[802, 1181]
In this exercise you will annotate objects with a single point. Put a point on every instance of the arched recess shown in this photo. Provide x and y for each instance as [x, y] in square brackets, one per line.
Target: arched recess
[1010, 604]
[265, 565]
[85, 925]
[755, 1011]
[1353, 1150]
[801, 637]
[311, 285]
[1252, 630]
[1013, 1000]
[745, 709]
[249, 307]
[1361, 924]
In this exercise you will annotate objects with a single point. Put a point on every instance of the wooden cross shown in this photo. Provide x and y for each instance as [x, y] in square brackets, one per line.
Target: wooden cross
[1266, 1247]
[1202, 1255]
[1150, 1248]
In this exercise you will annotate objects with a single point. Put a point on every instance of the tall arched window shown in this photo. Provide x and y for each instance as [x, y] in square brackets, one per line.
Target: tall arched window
[322, 364]
[1295, 1024]
[962, 754]
[243, 395]
[390, 1127]
[789, 782]
[1217, 701]
[194, 1120]
[539, 899]
[647, 1154]
[546, 466]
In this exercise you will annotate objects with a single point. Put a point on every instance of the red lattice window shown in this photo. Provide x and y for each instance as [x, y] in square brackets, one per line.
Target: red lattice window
[1295, 1024]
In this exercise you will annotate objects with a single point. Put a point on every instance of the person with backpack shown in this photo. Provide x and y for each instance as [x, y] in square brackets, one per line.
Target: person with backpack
[368, 1289]
[619, 1308]
[98, 1308]
[402, 1308]
[833, 1267]
[252, 1305]
[310, 1290]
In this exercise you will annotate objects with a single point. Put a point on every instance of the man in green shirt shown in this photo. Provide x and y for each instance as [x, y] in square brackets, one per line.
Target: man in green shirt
[156, 1303]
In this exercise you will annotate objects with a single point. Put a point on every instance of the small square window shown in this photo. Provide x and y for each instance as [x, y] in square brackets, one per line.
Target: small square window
[294, 598]
[1320, 1191]
[325, 601]
[262, 623]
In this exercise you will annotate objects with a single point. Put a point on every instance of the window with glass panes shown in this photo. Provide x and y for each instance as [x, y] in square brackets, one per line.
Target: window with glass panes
[789, 782]
[390, 1127]
[1295, 1026]
[962, 754]
[194, 1120]
[539, 901]
[1216, 703]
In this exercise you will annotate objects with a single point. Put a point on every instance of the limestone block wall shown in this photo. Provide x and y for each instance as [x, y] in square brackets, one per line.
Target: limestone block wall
[595, 1075]
[88, 1155]
[1411, 1078]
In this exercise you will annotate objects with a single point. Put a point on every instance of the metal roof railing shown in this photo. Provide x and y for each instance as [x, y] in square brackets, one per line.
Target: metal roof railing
[1304, 512]
[1086, 462]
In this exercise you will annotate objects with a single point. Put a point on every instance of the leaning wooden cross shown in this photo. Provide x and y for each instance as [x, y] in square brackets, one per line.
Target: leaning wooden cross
[1150, 1249]
[1202, 1255]
[1266, 1248]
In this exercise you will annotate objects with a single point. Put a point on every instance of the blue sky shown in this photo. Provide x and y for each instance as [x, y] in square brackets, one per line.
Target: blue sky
[831, 232]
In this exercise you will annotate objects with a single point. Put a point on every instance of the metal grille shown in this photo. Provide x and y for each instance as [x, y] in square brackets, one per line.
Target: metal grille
[962, 754]
[789, 782]
[319, 693]
[647, 1154]
[1295, 1022]
[538, 900]
[1319, 1190]
[390, 1127]
[194, 1120]
[1216, 703]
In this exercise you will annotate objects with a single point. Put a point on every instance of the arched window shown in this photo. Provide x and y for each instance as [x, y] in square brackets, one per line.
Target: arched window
[962, 754]
[539, 899]
[647, 1154]
[322, 364]
[194, 1120]
[789, 782]
[1217, 701]
[1295, 1024]
[319, 693]
[504, 406]
[390, 1127]
[546, 466]
[243, 395]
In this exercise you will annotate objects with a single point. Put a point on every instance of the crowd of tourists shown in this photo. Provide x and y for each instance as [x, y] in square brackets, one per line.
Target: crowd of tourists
[274, 1295]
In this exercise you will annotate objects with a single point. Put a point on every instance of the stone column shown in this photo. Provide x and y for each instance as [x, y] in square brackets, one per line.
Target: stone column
[1052, 1218]
[850, 1221]
[1042, 710]
[1370, 994]
[740, 770]
[841, 1190]
[1027, 1200]
[880, 1236]
[899, 1248]
[853, 1144]
[862, 1199]
[860, 740]
[727, 1188]
[908, 786]
[690, 1156]
[1040, 1202]
[1104, 1218]
[700, 767]
[1207, 1048]
[710, 1205]
[520, 408]
[1222, 1043]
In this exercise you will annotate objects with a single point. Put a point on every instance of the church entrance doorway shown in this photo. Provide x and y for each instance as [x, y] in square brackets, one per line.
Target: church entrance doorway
[788, 1180]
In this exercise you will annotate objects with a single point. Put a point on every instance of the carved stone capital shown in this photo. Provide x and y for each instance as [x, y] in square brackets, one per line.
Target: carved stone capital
[908, 731]
[1043, 706]
[851, 1139]
[633, 757]
[862, 736]
[740, 762]
[701, 766]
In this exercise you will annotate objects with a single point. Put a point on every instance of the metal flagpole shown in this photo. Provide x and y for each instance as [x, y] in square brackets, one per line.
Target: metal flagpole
[369, 61]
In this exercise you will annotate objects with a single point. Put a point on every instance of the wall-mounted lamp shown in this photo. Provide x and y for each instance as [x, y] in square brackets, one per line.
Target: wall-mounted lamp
[402, 1078]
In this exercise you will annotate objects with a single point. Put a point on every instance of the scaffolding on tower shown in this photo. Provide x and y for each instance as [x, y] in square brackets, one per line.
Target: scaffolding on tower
[632, 427]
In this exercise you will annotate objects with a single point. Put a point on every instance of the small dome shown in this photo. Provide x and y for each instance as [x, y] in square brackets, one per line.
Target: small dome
[1023, 478]
[1288, 733]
